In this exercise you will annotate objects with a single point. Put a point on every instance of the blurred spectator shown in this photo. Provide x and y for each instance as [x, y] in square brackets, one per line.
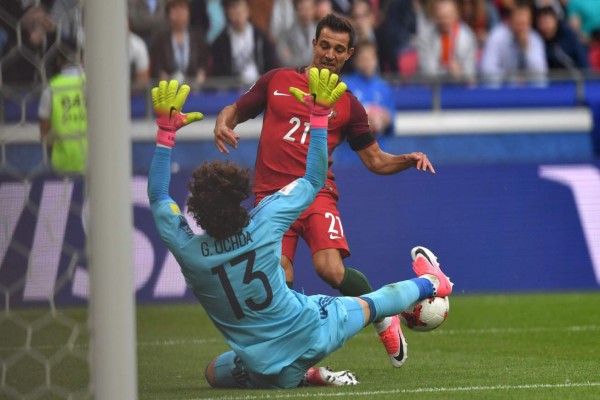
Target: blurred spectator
[31, 31]
[446, 46]
[242, 50]
[148, 17]
[559, 7]
[139, 61]
[372, 91]
[396, 31]
[199, 16]
[294, 46]
[342, 7]
[37, 24]
[216, 17]
[282, 17]
[594, 52]
[180, 52]
[63, 113]
[68, 17]
[504, 8]
[426, 7]
[584, 17]
[480, 15]
[563, 48]
[514, 49]
[363, 21]
[324, 7]
[24, 63]
[260, 13]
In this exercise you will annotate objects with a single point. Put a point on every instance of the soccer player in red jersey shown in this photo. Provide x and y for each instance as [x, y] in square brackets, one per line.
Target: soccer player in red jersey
[281, 159]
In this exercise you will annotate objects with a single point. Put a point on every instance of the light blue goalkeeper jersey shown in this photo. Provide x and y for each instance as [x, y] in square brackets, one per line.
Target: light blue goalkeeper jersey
[239, 281]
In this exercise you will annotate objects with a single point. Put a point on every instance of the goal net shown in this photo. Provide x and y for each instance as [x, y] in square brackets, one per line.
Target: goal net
[44, 282]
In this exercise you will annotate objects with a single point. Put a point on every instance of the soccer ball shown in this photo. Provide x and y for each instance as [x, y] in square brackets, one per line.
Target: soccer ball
[426, 315]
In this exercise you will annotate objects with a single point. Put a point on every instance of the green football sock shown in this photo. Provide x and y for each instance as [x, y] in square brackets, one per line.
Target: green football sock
[354, 283]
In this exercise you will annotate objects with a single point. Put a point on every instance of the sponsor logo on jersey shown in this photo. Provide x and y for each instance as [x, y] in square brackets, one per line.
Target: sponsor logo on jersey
[288, 189]
[323, 304]
[175, 208]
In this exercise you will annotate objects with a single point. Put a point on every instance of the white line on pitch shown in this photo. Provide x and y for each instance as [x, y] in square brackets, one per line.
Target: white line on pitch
[583, 328]
[497, 331]
[157, 343]
[490, 331]
[177, 342]
[322, 394]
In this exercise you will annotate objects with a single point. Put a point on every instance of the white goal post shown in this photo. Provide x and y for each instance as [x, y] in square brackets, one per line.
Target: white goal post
[110, 241]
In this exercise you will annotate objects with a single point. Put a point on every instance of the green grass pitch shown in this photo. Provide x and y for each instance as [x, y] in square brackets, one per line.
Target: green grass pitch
[542, 346]
[503, 346]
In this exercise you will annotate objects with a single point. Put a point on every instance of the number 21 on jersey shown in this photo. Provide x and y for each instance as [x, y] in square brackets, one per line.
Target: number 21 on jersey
[296, 124]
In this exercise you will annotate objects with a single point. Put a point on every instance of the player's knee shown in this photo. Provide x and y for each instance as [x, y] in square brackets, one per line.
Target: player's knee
[286, 263]
[288, 269]
[209, 373]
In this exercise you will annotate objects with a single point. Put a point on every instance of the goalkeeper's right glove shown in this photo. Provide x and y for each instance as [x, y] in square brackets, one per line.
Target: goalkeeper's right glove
[324, 91]
[167, 100]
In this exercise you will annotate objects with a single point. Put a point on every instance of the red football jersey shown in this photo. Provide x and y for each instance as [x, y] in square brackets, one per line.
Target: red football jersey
[285, 135]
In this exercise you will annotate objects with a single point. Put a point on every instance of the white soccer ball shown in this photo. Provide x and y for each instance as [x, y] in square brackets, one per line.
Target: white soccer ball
[426, 315]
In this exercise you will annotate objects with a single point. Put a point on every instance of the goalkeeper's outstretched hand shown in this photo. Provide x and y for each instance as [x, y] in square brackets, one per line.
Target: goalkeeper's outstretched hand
[167, 100]
[324, 91]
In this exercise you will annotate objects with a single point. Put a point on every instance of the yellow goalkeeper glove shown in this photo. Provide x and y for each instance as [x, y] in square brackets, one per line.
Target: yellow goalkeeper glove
[167, 101]
[324, 91]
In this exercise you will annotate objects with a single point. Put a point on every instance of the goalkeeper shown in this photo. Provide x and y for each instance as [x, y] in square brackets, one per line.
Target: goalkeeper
[276, 334]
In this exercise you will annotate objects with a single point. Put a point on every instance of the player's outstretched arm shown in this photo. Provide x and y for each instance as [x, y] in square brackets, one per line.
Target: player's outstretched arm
[324, 91]
[382, 163]
[168, 99]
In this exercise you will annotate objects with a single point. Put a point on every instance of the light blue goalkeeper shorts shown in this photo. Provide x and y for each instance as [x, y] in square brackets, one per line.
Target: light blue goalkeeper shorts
[345, 318]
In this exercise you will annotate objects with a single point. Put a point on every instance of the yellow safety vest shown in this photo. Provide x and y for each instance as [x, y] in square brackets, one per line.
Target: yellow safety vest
[69, 124]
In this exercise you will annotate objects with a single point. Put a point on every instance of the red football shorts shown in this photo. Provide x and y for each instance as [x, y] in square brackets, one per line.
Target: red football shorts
[319, 225]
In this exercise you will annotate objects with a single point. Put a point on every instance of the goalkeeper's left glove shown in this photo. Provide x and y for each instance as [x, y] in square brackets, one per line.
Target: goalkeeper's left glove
[167, 102]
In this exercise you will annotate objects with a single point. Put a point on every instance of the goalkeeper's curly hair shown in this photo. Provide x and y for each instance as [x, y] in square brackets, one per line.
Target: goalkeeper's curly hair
[216, 190]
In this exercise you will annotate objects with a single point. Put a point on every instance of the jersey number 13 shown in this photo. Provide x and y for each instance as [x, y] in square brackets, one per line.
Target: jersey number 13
[249, 276]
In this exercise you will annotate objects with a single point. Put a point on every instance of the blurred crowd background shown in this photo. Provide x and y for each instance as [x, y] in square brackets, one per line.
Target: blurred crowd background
[230, 43]
[200, 40]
